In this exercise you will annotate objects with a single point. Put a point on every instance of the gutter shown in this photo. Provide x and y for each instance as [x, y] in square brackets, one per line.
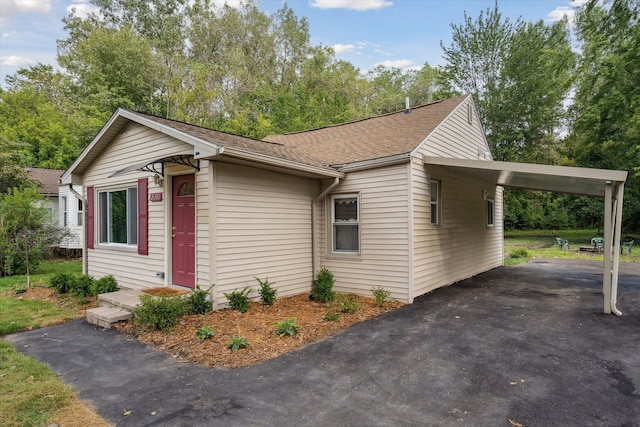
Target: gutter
[314, 267]
[85, 260]
[375, 163]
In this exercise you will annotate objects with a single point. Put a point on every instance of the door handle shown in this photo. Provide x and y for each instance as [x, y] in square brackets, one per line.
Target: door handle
[173, 236]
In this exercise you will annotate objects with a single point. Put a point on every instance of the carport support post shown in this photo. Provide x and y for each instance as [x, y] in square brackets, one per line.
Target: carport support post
[612, 230]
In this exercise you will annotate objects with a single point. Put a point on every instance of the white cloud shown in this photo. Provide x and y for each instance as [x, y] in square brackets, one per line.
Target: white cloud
[82, 8]
[236, 4]
[343, 48]
[382, 52]
[12, 8]
[397, 63]
[360, 5]
[560, 12]
[16, 61]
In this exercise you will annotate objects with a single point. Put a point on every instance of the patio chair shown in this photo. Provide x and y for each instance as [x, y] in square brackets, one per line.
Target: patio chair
[598, 244]
[626, 246]
[562, 243]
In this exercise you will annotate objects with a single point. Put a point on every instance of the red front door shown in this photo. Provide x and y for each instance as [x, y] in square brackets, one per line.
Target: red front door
[183, 231]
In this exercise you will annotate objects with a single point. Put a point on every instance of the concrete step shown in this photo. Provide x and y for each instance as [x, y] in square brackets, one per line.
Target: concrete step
[125, 299]
[105, 317]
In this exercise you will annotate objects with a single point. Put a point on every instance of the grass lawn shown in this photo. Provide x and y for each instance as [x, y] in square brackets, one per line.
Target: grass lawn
[542, 244]
[30, 393]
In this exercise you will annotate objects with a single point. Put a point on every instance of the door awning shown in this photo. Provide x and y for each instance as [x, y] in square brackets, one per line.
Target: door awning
[605, 183]
[157, 166]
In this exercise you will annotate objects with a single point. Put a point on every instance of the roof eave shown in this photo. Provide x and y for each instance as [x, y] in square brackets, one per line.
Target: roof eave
[375, 163]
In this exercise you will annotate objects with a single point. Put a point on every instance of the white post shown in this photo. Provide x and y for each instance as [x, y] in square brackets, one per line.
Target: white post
[608, 239]
[616, 248]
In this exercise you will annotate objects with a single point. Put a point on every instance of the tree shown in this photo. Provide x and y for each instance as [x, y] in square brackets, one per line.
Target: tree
[25, 231]
[606, 126]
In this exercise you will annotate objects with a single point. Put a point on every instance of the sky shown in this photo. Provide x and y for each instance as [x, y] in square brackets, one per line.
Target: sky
[396, 33]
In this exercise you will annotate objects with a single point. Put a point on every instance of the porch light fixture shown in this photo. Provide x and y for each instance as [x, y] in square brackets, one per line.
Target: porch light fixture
[157, 179]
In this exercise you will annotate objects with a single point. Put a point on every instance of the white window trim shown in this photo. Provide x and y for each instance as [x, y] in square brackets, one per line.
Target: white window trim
[99, 219]
[437, 203]
[80, 213]
[333, 223]
[491, 213]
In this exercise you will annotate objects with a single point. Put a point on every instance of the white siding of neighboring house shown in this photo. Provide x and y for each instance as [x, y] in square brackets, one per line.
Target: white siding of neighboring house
[134, 145]
[76, 229]
[462, 245]
[262, 229]
[384, 234]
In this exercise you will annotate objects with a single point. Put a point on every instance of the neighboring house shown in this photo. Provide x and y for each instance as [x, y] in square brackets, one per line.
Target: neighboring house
[72, 216]
[174, 204]
[49, 181]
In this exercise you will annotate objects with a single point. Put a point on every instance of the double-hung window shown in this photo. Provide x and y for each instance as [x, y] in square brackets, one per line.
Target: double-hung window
[118, 213]
[490, 213]
[436, 201]
[65, 208]
[345, 220]
[80, 213]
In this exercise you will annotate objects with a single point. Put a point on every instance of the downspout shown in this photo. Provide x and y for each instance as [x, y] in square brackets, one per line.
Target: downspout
[314, 267]
[85, 261]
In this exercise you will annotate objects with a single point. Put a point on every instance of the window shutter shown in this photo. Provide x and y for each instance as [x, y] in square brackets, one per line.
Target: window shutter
[143, 217]
[90, 228]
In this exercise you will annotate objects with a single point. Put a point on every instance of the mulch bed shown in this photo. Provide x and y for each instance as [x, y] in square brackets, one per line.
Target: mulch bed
[256, 325]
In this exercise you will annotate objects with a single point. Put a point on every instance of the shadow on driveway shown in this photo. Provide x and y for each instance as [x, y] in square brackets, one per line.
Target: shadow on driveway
[527, 343]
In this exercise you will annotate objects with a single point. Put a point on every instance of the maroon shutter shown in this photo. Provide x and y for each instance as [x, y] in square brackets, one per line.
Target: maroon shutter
[90, 228]
[143, 217]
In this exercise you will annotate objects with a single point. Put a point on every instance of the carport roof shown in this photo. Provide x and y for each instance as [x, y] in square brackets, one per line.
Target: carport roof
[562, 179]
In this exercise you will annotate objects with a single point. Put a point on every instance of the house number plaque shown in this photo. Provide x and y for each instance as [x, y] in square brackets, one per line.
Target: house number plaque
[155, 197]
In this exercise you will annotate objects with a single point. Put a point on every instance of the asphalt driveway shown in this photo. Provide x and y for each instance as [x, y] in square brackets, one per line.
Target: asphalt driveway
[526, 343]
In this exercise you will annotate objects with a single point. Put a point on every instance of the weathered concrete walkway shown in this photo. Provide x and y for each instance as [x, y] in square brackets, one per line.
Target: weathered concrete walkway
[526, 343]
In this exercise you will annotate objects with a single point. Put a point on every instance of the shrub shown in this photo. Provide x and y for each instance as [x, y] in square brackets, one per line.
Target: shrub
[322, 290]
[349, 304]
[104, 285]
[519, 253]
[237, 343]
[331, 316]
[61, 282]
[267, 293]
[381, 295]
[160, 312]
[204, 332]
[198, 303]
[239, 300]
[81, 286]
[286, 327]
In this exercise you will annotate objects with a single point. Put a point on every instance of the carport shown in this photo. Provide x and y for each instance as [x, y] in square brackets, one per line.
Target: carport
[605, 183]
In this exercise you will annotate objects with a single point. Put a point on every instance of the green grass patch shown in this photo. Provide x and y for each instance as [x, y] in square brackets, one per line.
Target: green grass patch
[18, 314]
[542, 244]
[30, 393]
[42, 274]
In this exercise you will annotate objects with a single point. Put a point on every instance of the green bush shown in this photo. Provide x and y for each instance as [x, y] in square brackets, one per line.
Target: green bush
[81, 286]
[104, 285]
[331, 316]
[349, 303]
[198, 302]
[267, 293]
[237, 343]
[381, 295]
[204, 332]
[160, 312]
[519, 253]
[239, 300]
[286, 327]
[61, 282]
[322, 290]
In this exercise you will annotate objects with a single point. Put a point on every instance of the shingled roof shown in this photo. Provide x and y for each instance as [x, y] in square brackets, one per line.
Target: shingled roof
[371, 138]
[229, 140]
[49, 178]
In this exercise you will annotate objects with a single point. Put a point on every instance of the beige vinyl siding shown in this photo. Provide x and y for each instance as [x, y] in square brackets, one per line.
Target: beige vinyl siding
[384, 239]
[134, 145]
[74, 241]
[462, 245]
[263, 229]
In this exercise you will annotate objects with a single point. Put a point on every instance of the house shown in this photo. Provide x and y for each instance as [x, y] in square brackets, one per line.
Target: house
[48, 179]
[376, 201]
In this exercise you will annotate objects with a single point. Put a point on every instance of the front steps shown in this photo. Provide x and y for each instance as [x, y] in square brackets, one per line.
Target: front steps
[114, 307]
